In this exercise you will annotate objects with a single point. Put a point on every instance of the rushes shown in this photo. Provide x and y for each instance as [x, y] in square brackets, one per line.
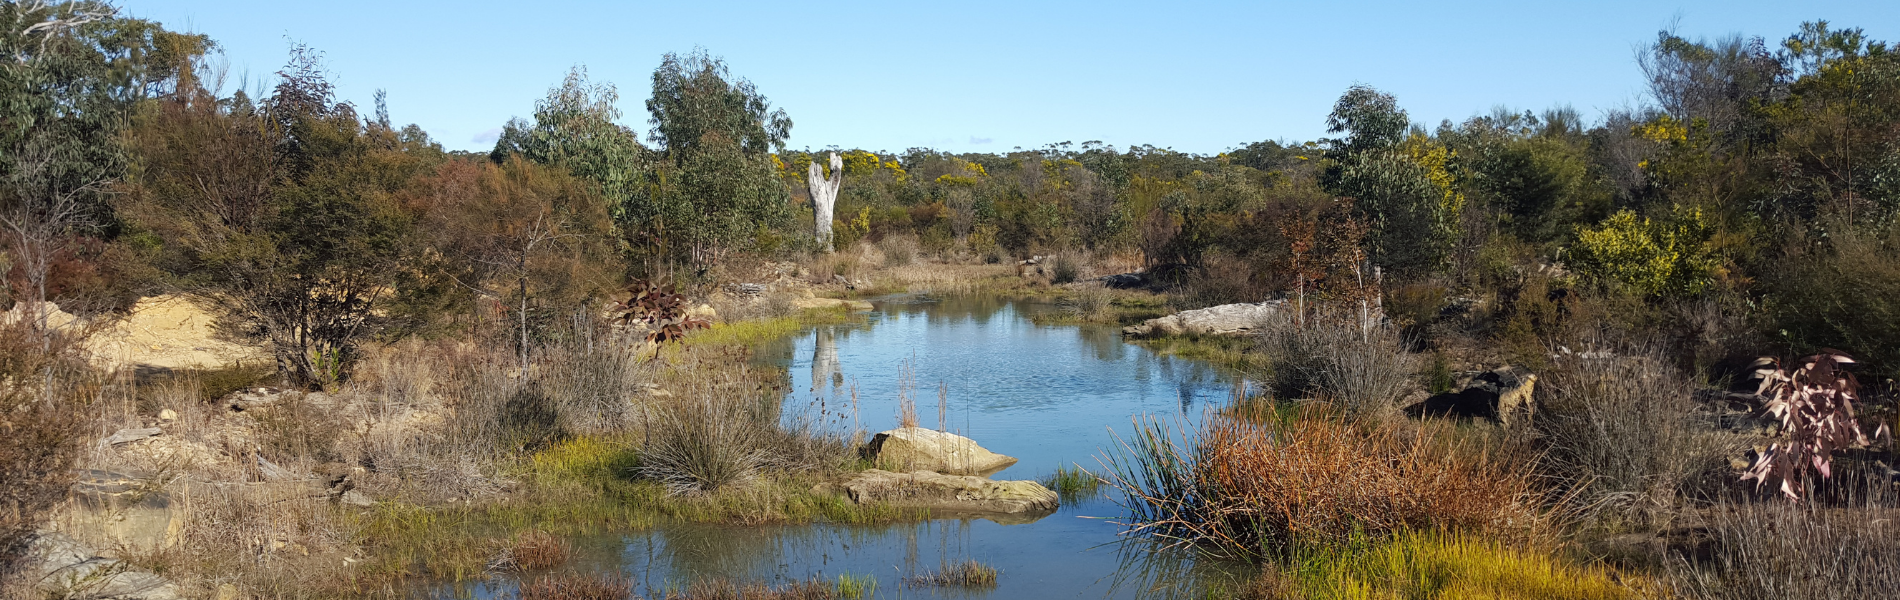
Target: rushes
[1427, 565]
[1765, 550]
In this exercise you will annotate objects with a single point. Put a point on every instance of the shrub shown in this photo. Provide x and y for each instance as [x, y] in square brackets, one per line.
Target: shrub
[44, 391]
[1361, 367]
[1065, 269]
[1248, 489]
[1088, 303]
[898, 251]
[1617, 431]
[1815, 402]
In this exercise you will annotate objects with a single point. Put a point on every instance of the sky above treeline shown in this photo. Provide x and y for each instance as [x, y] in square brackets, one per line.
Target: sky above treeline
[979, 76]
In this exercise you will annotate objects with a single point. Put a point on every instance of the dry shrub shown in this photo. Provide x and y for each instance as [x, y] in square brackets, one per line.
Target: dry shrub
[1770, 551]
[280, 538]
[1361, 367]
[898, 250]
[1223, 279]
[1618, 433]
[45, 390]
[1252, 489]
[575, 586]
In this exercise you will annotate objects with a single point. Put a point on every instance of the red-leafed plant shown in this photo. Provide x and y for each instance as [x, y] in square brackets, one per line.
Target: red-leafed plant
[660, 309]
[1815, 403]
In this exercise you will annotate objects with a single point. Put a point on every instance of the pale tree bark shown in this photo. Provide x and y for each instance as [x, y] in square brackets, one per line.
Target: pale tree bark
[824, 197]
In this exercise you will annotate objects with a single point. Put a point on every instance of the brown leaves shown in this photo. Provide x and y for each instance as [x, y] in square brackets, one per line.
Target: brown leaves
[1815, 403]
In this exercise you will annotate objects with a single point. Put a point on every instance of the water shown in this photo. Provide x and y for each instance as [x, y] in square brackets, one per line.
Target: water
[1047, 395]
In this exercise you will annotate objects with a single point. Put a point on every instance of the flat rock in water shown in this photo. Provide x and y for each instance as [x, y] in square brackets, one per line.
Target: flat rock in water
[950, 493]
[1226, 319]
[68, 569]
[919, 449]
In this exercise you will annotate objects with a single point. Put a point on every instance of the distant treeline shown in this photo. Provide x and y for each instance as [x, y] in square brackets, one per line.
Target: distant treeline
[1752, 201]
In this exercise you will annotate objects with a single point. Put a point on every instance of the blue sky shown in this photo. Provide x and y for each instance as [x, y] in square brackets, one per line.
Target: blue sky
[989, 76]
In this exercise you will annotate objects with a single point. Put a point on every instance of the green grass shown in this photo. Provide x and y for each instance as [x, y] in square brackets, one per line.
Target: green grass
[754, 332]
[1434, 566]
[856, 587]
[1239, 353]
[969, 573]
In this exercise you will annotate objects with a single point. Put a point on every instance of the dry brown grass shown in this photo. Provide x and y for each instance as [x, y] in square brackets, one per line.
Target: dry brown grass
[1301, 476]
[721, 589]
[1362, 367]
[538, 550]
[574, 586]
[968, 574]
[1773, 550]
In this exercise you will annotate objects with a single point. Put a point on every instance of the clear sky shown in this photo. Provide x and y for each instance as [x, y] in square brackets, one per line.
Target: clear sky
[989, 76]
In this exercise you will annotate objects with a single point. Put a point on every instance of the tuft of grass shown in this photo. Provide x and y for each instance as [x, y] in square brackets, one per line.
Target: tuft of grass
[969, 574]
[575, 586]
[856, 587]
[1362, 367]
[724, 589]
[1073, 483]
[754, 332]
[1430, 566]
[1761, 550]
[538, 550]
[1066, 269]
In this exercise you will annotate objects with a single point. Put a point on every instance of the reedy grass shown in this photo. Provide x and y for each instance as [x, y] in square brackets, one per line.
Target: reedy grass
[856, 587]
[969, 574]
[1073, 483]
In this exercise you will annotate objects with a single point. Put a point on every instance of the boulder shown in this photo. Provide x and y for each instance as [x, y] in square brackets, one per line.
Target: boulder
[919, 449]
[129, 435]
[131, 510]
[1226, 319]
[1500, 394]
[68, 569]
[950, 493]
[1123, 281]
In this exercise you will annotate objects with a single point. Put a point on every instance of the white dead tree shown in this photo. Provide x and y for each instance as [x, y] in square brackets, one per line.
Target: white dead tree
[824, 197]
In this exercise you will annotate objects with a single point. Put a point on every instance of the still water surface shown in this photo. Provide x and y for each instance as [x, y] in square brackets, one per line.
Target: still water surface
[1048, 395]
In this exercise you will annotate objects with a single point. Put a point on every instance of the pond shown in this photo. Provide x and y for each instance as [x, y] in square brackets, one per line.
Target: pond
[1046, 394]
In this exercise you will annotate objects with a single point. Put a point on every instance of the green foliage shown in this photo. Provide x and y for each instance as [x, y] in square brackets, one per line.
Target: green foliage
[1402, 185]
[1652, 257]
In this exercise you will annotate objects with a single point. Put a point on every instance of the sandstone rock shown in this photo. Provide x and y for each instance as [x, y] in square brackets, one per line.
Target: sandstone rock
[949, 493]
[168, 415]
[919, 449]
[131, 510]
[1226, 319]
[356, 498]
[68, 569]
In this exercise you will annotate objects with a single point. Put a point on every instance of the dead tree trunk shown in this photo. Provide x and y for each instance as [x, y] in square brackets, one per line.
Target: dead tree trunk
[824, 197]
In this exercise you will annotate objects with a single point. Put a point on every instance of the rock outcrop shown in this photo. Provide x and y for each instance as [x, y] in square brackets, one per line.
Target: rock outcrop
[919, 449]
[950, 493]
[1226, 319]
[132, 510]
[1501, 394]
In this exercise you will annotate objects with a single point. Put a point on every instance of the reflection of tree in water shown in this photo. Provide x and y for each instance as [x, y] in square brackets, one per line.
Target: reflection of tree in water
[825, 370]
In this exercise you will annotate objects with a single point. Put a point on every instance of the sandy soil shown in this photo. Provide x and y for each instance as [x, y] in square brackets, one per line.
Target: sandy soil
[168, 332]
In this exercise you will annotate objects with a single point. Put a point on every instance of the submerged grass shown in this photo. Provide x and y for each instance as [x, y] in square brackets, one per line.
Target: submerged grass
[1233, 352]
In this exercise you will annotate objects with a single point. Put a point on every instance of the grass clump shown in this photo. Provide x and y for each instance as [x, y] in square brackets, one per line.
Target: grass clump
[1762, 550]
[533, 550]
[968, 574]
[856, 587]
[1073, 483]
[701, 447]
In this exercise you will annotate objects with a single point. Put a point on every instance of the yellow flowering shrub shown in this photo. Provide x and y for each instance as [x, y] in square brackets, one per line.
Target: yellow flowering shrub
[1667, 258]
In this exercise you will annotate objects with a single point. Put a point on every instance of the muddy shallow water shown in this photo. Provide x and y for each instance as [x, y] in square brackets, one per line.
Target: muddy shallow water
[1047, 395]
